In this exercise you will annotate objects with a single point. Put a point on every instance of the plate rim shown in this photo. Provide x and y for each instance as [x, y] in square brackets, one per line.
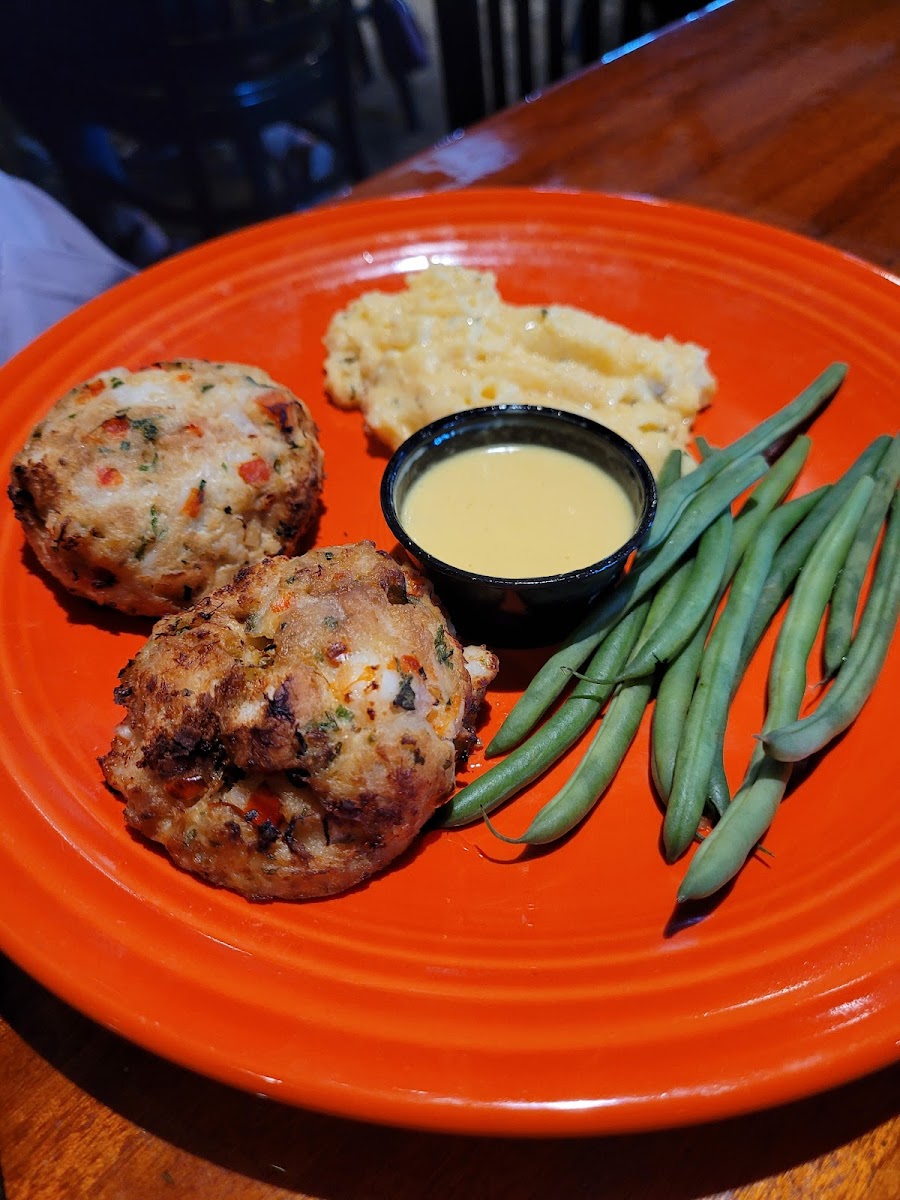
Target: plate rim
[492, 1119]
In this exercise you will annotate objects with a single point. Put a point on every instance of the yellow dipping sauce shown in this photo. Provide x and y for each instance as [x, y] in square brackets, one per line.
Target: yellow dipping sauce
[517, 511]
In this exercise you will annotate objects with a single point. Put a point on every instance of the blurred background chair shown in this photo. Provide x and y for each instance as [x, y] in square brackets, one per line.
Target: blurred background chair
[162, 122]
[204, 111]
[402, 46]
[494, 52]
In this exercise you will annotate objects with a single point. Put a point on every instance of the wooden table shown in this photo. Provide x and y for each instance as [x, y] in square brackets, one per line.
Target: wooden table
[783, 110]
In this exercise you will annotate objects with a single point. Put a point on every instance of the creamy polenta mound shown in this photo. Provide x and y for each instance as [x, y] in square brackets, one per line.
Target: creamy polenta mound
[448, 341]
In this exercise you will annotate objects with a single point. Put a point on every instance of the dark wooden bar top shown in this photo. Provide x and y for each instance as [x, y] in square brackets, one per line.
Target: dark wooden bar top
[787, 111]
[784, 111]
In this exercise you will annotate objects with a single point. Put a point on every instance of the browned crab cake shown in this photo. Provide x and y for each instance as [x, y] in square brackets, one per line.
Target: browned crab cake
[291, 733]
[144, 490]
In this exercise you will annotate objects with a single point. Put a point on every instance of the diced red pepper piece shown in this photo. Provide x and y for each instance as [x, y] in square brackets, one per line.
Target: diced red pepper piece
[109, 476]
[264, 805]
[194, 502]
[116, 427]
[255, 471]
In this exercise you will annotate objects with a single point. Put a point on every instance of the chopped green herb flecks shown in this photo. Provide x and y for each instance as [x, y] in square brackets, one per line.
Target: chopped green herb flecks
[204, 387]
[115, 382]
[328, 723]
[443, 651]
[406, 696]
[148, 428]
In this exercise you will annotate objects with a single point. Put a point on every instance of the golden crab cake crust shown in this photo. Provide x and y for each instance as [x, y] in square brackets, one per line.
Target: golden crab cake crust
[144, 490]
[291, 733]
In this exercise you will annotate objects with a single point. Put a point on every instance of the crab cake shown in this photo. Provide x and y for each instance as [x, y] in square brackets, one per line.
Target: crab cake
[291, 733]
[144, 490]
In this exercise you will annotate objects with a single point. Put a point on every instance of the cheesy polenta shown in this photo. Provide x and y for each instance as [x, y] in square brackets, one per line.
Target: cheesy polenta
[448, 341]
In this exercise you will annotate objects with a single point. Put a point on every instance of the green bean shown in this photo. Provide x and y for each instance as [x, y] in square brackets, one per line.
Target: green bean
[553, 676]
[718, 793]
[706, 571]
[604, 755]
[678, 680]
[712, 500]
[756, 440]
[724, 851]
[847, 590]
[788, 671]
[715, 563]
[769, 492]
[670, 470]
[781, 701]
[559, 733]
[862, 665]
[677, 684]
[704, 726]
[792, 555]
[673, 700]
[590, 779]
[790, 515]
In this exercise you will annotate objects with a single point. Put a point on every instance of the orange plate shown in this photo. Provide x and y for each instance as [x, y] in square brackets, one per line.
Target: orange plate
[473, 987]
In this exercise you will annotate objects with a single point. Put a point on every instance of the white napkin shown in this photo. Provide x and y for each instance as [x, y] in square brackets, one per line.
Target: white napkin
[50, 264]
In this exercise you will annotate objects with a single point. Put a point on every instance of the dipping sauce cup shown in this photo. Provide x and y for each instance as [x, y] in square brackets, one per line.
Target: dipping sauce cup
[481, 586]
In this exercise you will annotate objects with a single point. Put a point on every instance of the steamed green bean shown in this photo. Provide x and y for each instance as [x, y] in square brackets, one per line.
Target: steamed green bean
[845, 600]
[862, 665]
[556, 736]
[603, 757]
[723, 852]
[755, 441]
[718, 676]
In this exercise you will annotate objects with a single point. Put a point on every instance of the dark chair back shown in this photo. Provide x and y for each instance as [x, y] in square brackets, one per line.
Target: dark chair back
[494, 52]
[183, 74]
